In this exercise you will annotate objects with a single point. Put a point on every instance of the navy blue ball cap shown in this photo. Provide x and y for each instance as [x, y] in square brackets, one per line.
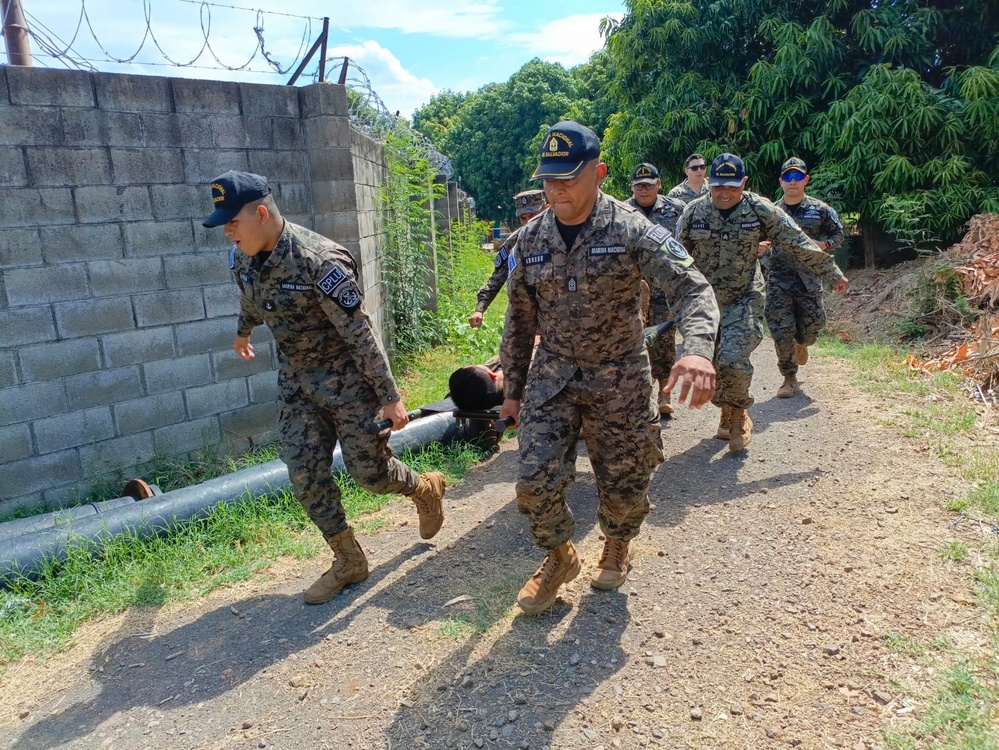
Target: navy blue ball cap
[794, 164]
[645, 173]
[566, 149]
[233, 190]
[727, 170]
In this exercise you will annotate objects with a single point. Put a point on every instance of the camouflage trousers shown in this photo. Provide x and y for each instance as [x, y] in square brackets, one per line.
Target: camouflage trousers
[311, 424]
[614, 410]
[740, 332]
[795, 315]
[662, 352]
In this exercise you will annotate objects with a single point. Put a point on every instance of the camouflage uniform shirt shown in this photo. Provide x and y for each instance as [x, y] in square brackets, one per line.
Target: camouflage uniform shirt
[685, 193]
[497, 279]
[819, 221]
[665, 212]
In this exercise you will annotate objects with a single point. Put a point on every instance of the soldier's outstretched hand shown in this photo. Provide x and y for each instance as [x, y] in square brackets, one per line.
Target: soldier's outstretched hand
[698, 375]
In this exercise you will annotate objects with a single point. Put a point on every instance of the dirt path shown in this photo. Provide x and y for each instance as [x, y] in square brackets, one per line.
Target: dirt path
[755, 616]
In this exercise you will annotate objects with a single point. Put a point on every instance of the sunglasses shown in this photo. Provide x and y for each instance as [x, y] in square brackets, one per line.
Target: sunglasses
[697, 167]
[792, 177]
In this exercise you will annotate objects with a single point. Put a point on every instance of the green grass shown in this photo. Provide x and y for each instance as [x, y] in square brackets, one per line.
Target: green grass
[955, 551]
[492, 601]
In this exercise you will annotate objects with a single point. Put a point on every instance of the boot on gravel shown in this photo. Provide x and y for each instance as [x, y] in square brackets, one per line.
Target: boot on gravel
[789, 387]
[560, 566]
[740, 430]
[801, 354]
[612, 570]
[723, 423]
[665, 404]
[429, 501]
[349, 566]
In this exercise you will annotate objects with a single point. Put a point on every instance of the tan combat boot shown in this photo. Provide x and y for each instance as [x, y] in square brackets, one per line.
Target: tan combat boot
[740, 430]
[612, 570]
[560, 566]
[665, 404]
[789, 387]
[349, 566]
[429, 501]
[801, 354]
[724, 422]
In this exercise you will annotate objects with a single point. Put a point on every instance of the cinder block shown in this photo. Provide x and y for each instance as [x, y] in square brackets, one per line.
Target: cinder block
[211, 239]
[331, 165]
[8, 370]
[106, 204]
[280, 166]
[51, 87]
[228, 365]
[266, 99]
[38, 473]
[38, 286]
[263, 387]
[180, 202]
[32, 401]
[188, 437]
[27, 325]
[200, 95]
[177, 374]
[202, 166]
[206, 335]
[15, 443]
[147, 166]
[120, 453]
[94, 316]
[323, 99]
[250, 422]
[58, 167]
[159, 238]
[128, 93]
[172, 130]
[195, 270]
[82, 242]
[232, 131]
[29, 207]
[19, 248]
[96, 127]
[103, 387]
[149, 412]
[327, 132]
[137, 347]
[222, 299]
[163, 308]
[334, 196]
[73, 430]
[287, 134]
[59, 359]
[216, 398]
[338, 226]
[125, 276]
[31, 126]
[13, 172]
[303, 220]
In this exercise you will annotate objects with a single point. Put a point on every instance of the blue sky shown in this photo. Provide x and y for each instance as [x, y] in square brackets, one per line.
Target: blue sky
[408, 49]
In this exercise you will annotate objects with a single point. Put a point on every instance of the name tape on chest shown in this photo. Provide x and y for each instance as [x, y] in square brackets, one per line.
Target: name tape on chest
[295, 287]
[533, 260]
[608, 250]
[657, 234]
[328, 283]
[749, 225]
[699, 224]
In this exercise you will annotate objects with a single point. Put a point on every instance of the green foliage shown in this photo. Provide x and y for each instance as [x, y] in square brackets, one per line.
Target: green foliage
[436, 118]
[936, 301]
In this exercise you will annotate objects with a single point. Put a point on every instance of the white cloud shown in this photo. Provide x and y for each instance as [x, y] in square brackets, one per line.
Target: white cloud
[570, 40]
[397, 87]
[456, 19]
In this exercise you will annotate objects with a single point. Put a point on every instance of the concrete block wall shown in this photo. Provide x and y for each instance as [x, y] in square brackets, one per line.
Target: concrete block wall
[117, 309]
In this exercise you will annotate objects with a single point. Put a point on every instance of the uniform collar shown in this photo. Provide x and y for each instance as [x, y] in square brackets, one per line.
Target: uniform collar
[283, 246]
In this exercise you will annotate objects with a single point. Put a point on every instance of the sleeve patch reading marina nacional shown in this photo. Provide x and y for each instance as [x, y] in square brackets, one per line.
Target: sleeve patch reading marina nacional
[328, 283]
[657, 234]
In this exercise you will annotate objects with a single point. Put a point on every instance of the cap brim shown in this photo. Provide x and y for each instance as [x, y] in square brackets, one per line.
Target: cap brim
[716, 182]
[531, 210]
[557, 171]
[220, 216]
[645, 181]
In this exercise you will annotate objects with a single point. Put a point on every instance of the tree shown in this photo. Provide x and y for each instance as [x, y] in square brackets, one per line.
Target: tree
[895, 103]
[436, 118]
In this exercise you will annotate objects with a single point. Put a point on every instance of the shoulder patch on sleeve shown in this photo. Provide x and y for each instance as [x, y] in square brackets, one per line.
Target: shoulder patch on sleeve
[501, 256]
[232, 257]
[347, 296]
[511, 262]
[835, 217]
[657, 234]
[674, 248]
[328, 283]
[785, 219]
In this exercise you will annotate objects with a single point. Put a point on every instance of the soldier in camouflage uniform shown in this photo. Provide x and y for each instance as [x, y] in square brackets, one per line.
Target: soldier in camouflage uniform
[334, 376]
[794, 310]
[664, 211]
[529, 204]
[694, 186]
[574, 278]
[723, 230]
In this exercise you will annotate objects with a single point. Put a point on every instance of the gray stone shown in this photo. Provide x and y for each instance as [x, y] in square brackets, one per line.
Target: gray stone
[228, 366]
[28, 207]
[32, 401]
[202, 166]
[69, 167]
[82, 242]
[149, 413]
[125, 276]
[331, 165]
[38, 286]
[172, 130]
[339, 226]
[59, 359]
[250, 422]
[200, 95]
[280, 166]
[211, 239]
[15, 443]
[19, 248]
[263, 387]
[323, 99]
[103, 387]
[188, 437]
[216, 398]
[121, 453]
[233, 131]
[334, 196]
[195, 270]
[13, 173]
[222, 299]
[162, 308]
[31, 126]
[206, 335]
[73, 429]
[27, 325]
[95, 127]
[8, 371]
[287, 134]
[267, 99]
[136, 347]
[34, 474]
[94, 316]
[159, 238]
[177, 374]
[146, 166]
[50, 86]
[128, 93]
[322, 133]
[180, 202]
[104, 204]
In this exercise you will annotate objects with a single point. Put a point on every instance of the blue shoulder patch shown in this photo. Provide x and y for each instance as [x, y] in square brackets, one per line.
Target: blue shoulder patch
[232, 257]
[511, 262]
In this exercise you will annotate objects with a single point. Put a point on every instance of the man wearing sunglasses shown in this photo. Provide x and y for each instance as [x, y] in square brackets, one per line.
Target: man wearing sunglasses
[664, 211]
[723, 230]
[794, 310]
[694, 186]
